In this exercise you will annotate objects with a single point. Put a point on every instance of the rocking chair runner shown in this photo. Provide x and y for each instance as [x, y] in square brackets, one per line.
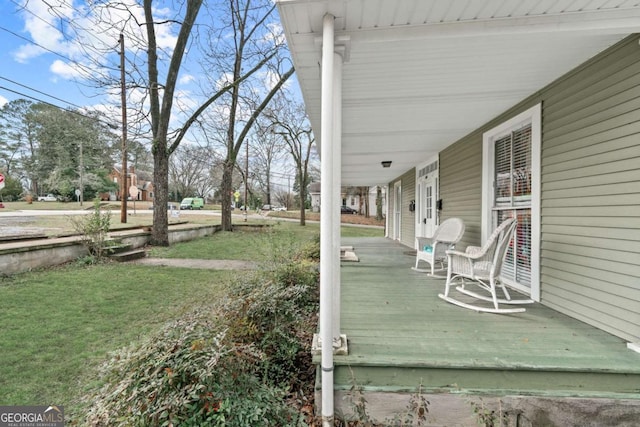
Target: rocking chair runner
[482, 267]
[433, 249]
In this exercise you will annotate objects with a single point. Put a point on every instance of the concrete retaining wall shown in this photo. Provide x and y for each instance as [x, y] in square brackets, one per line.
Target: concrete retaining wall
[18, 257]
[510, 411]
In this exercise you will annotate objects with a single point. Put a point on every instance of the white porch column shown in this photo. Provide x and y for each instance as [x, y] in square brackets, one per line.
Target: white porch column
[337, 194]
[327, 250]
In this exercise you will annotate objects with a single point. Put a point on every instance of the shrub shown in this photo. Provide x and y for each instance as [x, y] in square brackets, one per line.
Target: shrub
[189, 374]
[94, 229]
[243, 361]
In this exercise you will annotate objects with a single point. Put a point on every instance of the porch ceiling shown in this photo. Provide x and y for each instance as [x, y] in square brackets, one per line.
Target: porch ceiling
[420, 74]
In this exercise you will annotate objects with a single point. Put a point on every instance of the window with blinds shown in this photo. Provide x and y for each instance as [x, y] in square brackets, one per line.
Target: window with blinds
[512, 198]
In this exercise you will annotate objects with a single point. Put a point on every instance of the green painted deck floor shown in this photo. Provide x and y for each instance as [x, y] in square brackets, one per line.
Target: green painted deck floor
[401, 335]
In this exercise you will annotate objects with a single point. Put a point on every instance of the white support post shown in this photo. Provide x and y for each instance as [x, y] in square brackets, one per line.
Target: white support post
[336, 193]
[327, 263]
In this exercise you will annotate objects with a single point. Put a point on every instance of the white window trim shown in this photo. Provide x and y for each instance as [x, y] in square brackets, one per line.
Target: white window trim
[533, 116]
[397, 210]
[419, 179]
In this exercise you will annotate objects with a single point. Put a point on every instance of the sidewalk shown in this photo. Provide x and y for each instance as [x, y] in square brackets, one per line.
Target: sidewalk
[210, 264]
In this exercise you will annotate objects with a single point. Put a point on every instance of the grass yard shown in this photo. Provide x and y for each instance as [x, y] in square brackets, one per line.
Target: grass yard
[254, 245]
[59, 325]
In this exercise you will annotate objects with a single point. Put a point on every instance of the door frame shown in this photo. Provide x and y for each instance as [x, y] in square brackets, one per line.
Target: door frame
[426, 176]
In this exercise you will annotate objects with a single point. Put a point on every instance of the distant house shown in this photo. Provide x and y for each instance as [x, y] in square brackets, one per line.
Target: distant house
[141, 180]
[351, 198]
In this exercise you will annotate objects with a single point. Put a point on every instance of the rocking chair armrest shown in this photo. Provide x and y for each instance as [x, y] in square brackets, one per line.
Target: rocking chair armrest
[470, 255]
[453, 252]
[473, 250]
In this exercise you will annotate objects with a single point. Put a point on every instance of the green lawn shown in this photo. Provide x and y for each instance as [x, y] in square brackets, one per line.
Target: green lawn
[59, 325]
[253, 244]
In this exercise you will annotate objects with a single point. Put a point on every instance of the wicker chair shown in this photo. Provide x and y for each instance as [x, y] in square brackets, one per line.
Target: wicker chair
[433, 249]
[481, 266]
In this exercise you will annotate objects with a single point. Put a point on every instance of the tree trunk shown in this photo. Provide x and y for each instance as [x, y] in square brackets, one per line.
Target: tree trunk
[303, 197]
[225, 193]
[160, 230]
[378, 203]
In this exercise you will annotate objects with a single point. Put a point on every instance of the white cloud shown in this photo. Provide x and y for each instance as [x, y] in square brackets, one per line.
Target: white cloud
[66, 71]
[185, 100]
[186, 79]
[225, 79]
[275, 34]
[91, 33]
[270, 79]
[3, 101]
[39, 23]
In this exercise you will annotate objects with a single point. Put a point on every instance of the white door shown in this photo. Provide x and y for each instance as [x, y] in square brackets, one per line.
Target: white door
[426, 207]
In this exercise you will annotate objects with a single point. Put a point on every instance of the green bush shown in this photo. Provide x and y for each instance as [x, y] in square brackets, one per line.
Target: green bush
[190, 374]
[240, 362]
[94, 229]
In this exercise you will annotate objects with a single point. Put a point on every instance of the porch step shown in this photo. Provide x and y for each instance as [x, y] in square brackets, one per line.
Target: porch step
[128, 255]
[116, 248]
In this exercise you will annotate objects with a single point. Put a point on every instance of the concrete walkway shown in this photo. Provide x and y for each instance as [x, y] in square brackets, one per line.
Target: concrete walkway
[206, 264]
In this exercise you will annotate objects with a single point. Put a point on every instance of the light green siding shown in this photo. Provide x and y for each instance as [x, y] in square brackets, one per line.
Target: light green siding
[408, 218]
[591, 193]
[590, 201]
[461, 186]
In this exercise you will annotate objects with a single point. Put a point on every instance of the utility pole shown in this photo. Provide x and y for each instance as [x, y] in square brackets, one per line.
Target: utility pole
[81, 173]
[123, 96]
[246, 181]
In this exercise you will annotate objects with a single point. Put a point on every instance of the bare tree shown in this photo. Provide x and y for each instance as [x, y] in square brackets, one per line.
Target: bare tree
[190, 171]
[161, 43]
[245, 104]
[266, 149]
[378, 203]
[290, 121]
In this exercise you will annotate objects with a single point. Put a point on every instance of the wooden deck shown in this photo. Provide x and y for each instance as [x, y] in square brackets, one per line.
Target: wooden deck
[401, 336]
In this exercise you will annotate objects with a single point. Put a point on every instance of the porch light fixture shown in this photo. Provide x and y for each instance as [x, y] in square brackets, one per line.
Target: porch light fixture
[386, 163]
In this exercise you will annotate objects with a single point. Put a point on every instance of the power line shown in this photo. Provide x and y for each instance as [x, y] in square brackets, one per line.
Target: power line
[37, 44]
[39, 91]
[83, 67]
[62, 19]
[111, 125]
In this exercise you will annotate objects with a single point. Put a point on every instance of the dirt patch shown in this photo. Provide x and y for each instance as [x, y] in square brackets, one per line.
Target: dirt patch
[205, 264]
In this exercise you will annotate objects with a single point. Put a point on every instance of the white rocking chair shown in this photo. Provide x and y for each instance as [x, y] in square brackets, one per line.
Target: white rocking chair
[434, 249]
[482, 267]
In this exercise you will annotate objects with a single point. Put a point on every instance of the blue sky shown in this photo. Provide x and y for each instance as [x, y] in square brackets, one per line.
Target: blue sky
[45, 57]
[27, 71]
[42, 54]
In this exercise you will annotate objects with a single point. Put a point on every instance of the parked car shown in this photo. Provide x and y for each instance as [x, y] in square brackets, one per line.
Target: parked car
[266, 207]
[347, 210]
[48, 198]
[279, 208]
[192, 203]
